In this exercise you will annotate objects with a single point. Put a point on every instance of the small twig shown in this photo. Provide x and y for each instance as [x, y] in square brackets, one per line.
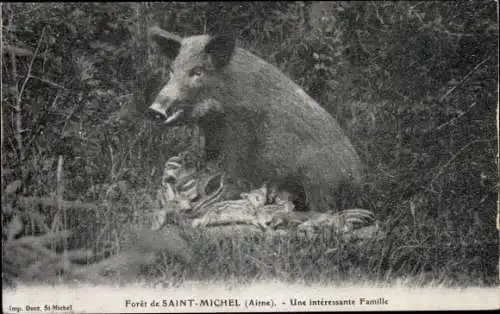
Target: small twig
[248, 27]
[113, 165]
[205, 25]
[60, 211]
[451, 34]
[58, 199]
[455, 118]
[441, 169]
[60, 183]
[17, 105]
[30, 201]
[41, 79]
[410, 12]
[377, 13]
[451, 90]
[28, 76]
[19, 94]
[18, 51]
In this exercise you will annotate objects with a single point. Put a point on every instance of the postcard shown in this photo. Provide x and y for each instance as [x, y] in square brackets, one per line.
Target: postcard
[249, 156]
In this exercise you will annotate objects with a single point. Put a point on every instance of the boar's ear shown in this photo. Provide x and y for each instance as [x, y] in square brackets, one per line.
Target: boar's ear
[169, 43]
[221, 48]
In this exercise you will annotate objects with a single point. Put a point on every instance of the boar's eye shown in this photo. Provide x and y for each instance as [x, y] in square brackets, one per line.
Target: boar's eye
[196, 72]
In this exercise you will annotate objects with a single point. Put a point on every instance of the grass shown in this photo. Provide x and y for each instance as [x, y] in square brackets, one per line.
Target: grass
[208, 256]
[425, 237]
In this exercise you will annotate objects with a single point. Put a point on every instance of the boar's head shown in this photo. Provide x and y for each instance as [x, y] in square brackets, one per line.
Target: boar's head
[196, 76]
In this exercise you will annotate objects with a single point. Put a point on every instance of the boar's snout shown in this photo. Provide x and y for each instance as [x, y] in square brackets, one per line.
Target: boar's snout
[155, 115]
[170, 116]
[167, 106]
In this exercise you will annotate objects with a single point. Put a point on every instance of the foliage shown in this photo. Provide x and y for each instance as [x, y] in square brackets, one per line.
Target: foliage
[414, 85]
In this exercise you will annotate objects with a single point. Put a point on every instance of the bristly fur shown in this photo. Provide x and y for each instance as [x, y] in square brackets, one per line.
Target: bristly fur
[270, 128]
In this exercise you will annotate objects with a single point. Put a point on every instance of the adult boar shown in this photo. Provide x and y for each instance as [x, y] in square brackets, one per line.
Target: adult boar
[258, 124]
